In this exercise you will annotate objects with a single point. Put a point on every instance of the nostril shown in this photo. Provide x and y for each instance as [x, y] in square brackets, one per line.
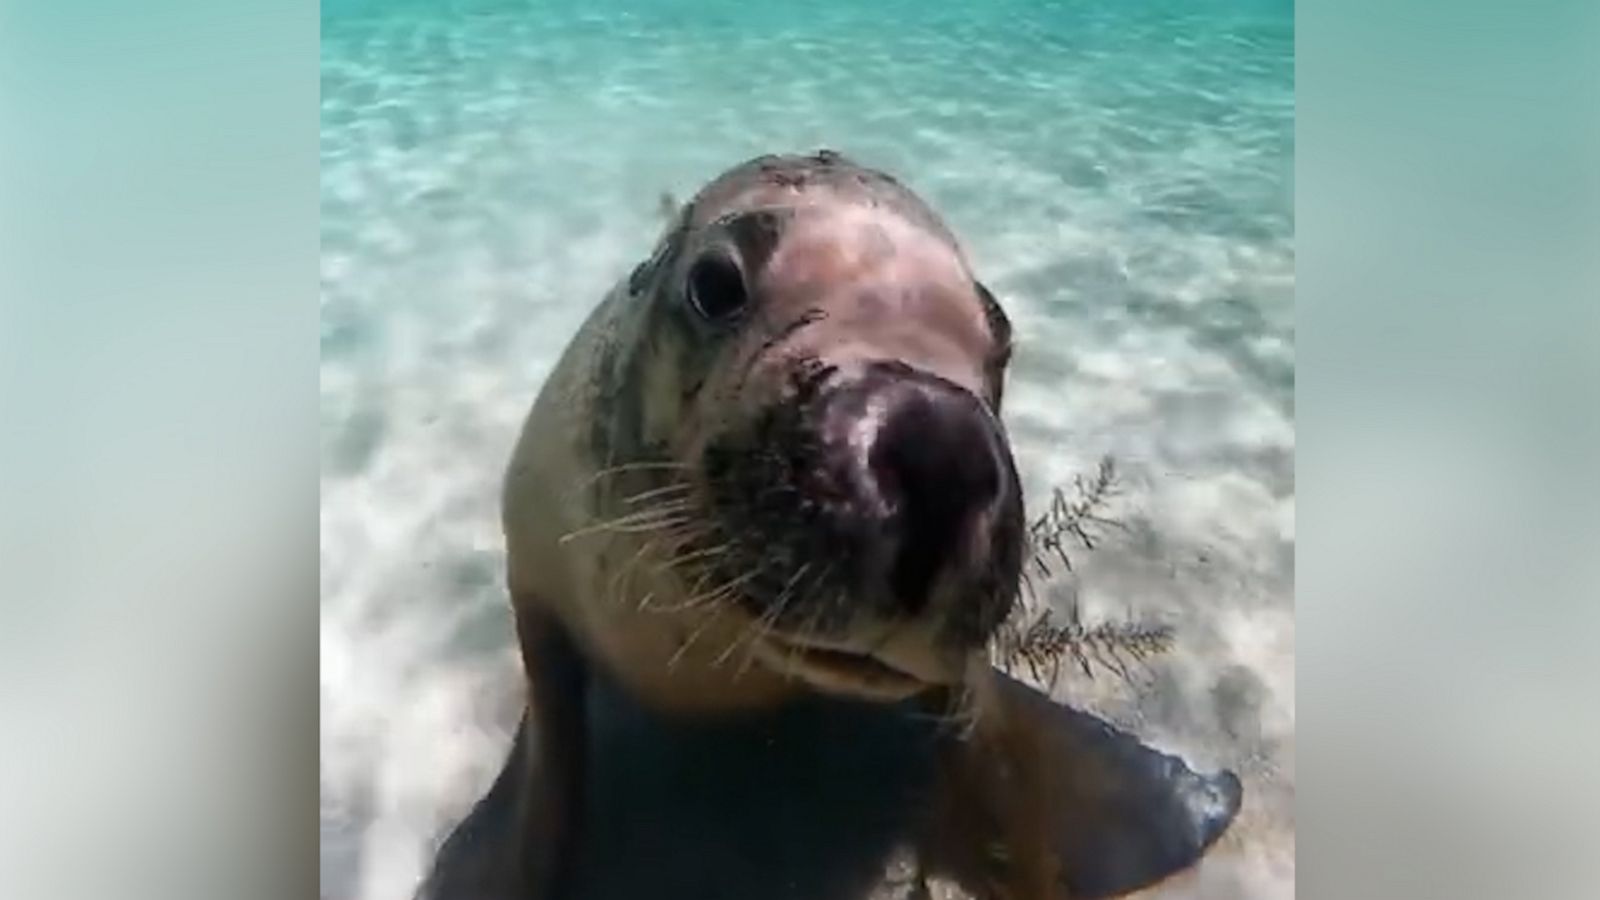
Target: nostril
[934, 465]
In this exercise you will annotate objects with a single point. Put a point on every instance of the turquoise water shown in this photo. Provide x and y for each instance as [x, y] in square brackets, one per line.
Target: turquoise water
[1121, 175]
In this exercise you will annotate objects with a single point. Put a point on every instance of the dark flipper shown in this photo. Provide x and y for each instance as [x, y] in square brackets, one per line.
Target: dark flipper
[1120, 815]
[472, 861]
[516, 842]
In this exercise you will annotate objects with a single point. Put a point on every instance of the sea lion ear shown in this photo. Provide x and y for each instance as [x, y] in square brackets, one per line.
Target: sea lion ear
[663, 258]
[999, 322]
[1121, 815]
[1000, 354]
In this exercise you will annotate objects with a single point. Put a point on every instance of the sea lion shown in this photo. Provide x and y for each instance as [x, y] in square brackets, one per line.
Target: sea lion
[764, 508]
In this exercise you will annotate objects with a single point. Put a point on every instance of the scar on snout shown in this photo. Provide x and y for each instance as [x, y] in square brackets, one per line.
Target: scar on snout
[810, 316]
[814, 314]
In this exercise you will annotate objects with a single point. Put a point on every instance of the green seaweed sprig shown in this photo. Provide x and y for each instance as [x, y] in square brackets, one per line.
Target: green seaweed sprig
[1043, 643]
[1079, 518]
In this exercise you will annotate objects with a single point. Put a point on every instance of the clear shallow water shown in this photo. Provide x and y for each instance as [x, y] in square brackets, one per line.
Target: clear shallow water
[1121, 177]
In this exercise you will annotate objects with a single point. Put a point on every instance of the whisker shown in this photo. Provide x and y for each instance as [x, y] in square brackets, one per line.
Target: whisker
[652, 519]
[966, 714]
[726, 589]
[683, 648]
[665, 490]
[617, 592]
[706, 575]
[679, 537]
[809, 628]
[806, 632]
[666, 522]
[629, 519]
[594, 480]
[732, 645]
[644, 466]
[962, 714]
[778, 606]
[722, 592]
[676, 561]
[752, 630]
[788, 587]
[640, 526]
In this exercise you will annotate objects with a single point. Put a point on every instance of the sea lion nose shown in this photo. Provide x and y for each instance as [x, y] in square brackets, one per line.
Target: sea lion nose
[934, 465]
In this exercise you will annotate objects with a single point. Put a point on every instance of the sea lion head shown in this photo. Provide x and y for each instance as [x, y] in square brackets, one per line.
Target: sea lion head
[815, 357]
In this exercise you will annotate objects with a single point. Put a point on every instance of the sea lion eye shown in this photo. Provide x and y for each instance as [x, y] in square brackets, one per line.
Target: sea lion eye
[716, 287]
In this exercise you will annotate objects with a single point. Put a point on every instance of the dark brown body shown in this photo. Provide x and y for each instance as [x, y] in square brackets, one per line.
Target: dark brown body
[809, 801]
[754, 739]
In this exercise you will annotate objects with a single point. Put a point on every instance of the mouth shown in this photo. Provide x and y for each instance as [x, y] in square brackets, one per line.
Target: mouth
[838, 670]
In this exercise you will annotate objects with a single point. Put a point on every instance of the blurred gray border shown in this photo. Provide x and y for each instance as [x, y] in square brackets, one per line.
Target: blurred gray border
[158, 326]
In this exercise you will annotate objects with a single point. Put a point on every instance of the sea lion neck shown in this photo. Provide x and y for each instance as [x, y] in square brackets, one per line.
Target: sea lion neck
[805, 801]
